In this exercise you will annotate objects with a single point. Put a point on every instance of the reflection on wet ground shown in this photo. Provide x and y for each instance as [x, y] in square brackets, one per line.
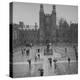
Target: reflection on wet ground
[37, 64]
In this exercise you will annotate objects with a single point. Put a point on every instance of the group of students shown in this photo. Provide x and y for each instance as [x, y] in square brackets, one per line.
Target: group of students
[54, 61]
[25, 51]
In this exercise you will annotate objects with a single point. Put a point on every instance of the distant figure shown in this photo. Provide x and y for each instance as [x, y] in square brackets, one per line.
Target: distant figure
[38, 50]
[65, 50]
[22, 51]
[55, 60]
[27, 52]
[76, 53]
[41, 72]
[69, 60]
[50, 61]
[29, 61]
[39, 56]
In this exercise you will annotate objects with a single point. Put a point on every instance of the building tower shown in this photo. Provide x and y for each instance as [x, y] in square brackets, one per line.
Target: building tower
[47, 24]
[54, 23]
[41, 22]
[54, 17]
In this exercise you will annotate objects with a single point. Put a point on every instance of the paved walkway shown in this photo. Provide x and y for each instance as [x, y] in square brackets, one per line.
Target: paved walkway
[21, 66]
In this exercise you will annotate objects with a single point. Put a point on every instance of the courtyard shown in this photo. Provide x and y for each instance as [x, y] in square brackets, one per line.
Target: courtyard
[62, 61]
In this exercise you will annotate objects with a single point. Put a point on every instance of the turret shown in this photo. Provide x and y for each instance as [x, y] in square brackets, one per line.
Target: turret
[54, 16]
[41, 8]
[41, 14]
[41, 21]
[54, 9]
[53, 22]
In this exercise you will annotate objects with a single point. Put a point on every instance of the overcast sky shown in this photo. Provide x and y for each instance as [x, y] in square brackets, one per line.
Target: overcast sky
[29, 12]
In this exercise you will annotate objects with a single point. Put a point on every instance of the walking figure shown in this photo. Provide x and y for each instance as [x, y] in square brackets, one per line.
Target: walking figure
[69, 60]
[41, 72]
[65, 50]
[27, 52]
[35, 58]
[55, 60]
[39, 56]
[38, 50]
[29, 61]
[76, 53]
[22, 52]
[50, 61]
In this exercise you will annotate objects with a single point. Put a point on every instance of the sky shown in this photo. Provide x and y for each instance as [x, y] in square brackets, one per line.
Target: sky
[29, 12]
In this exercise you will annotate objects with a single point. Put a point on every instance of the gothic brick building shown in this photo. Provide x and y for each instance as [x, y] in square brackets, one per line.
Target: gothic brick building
[47, 23]
[22, 36]
[47, 31]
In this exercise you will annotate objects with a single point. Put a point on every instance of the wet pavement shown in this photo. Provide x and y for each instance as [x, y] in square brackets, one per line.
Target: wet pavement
[21, 66]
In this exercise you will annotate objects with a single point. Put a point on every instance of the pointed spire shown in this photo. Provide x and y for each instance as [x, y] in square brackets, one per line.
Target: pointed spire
[41, 5]
[54, 9]
[41, 8]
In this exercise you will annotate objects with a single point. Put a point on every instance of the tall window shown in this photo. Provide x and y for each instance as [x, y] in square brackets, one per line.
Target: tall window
[15, 35]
